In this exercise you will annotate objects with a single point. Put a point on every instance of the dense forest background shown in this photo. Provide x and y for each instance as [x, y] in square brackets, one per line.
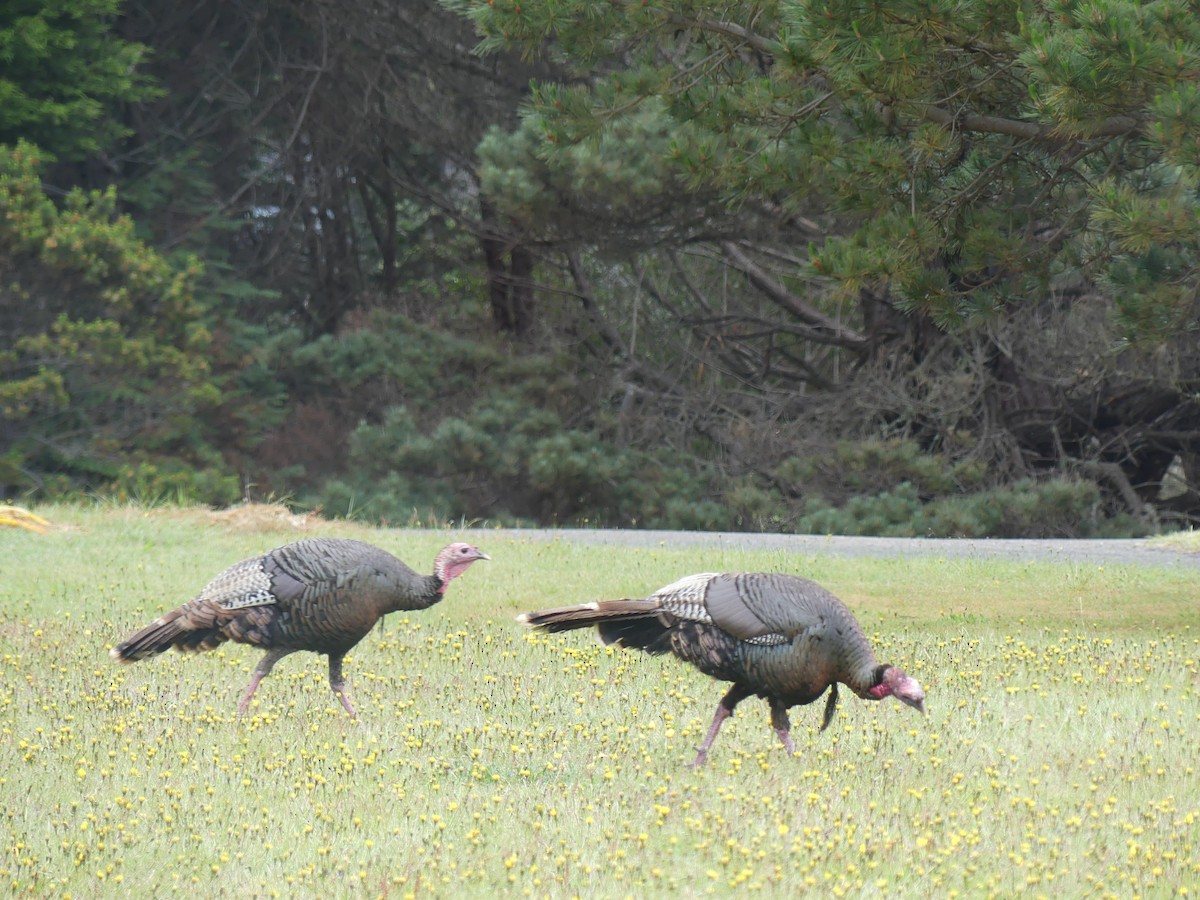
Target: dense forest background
[923, 267]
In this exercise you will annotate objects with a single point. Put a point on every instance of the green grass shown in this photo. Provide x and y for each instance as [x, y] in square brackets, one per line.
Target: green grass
[1059, 755]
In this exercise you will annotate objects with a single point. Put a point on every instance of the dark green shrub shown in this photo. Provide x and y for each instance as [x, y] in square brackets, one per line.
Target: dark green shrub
[448, 429]
[875, 466]
[1061, 507]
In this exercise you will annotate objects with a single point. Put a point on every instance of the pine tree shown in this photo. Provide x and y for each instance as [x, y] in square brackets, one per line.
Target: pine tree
[972, 224]
[103, 369]
[63, 72]
[963, 155]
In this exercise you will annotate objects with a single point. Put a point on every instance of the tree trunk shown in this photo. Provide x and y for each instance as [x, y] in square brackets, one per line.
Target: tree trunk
[509, 276]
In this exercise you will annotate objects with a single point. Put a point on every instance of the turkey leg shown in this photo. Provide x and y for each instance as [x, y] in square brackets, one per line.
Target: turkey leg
[338, 683]
[725, 709]
[261, 671]
[782, 726]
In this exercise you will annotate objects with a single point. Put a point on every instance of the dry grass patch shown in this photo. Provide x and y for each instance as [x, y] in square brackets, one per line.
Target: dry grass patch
[264, 517]
[1180, 541]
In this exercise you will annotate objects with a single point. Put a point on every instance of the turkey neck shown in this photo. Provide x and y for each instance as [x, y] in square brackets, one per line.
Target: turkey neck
[421, 592]
[860, 667]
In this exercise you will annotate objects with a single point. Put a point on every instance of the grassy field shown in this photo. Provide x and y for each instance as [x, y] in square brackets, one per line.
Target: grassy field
[1058, 758]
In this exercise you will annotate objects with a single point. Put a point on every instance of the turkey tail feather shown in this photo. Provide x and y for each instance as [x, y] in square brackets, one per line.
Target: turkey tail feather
[585, 615]
[165, 632]
[650, 635]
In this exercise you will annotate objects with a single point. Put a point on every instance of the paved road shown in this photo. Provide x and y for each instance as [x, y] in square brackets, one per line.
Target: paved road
[1098, 552]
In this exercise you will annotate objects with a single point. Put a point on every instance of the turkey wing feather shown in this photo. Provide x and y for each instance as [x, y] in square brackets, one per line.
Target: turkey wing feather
[730, 610]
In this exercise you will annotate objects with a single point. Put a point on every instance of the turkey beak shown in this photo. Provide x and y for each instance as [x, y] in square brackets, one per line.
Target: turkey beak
[482, 555]
[912, 695]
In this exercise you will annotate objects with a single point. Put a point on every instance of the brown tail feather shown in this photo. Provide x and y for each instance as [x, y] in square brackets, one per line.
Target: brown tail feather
[165, 632]
[585, 615]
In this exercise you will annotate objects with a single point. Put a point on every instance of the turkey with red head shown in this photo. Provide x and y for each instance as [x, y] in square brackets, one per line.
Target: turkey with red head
[319, 594]
[782, 638]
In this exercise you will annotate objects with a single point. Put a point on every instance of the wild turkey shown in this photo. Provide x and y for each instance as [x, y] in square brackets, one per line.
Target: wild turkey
[318, 594]
[783, 638]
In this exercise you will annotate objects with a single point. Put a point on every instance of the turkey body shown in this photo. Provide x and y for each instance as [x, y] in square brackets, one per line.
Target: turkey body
[783, 638]
[319, 594]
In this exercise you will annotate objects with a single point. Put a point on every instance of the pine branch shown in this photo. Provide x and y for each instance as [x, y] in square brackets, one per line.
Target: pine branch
[729, 29]
[1117, 126]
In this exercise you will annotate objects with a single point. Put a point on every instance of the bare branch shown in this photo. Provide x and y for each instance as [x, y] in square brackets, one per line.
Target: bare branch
[828, 331]
[610, 335]
[1115, 475]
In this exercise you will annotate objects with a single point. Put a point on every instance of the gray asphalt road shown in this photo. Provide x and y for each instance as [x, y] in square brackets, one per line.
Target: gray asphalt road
[1098, 552]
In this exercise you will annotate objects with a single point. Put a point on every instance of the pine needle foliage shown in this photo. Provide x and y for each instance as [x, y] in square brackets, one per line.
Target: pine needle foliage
[1002, 144]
